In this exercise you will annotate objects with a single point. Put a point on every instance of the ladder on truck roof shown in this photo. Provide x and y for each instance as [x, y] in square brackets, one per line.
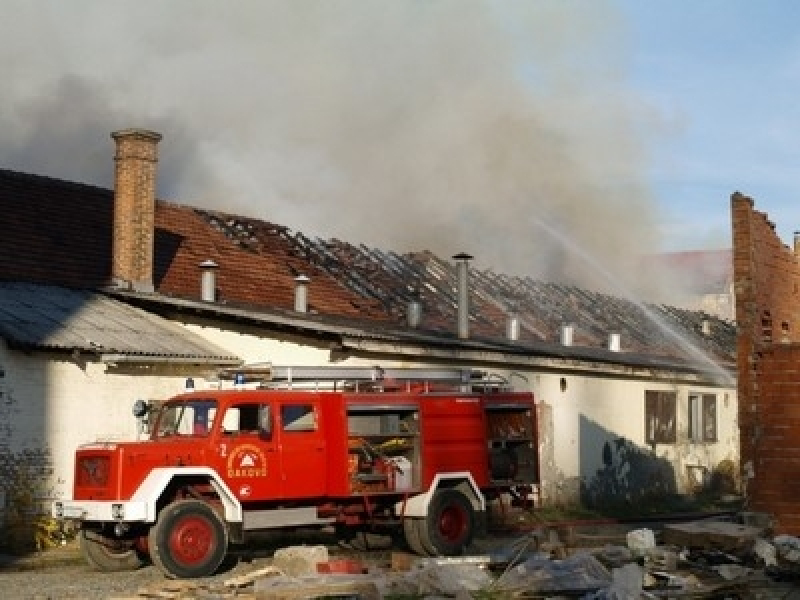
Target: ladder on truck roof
[269, 375]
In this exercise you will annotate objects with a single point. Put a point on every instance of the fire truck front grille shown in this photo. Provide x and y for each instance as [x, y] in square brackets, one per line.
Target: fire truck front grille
[93, 471]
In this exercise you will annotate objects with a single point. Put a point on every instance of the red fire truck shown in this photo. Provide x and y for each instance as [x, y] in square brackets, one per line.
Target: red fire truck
[363, 450]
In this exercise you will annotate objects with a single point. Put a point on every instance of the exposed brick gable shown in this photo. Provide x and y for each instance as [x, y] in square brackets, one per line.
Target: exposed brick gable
[766, 281]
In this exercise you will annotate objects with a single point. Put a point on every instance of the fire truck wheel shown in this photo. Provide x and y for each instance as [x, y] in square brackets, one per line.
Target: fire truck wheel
[450, 524]
[411, 529]
[188, 540]
[107, 554]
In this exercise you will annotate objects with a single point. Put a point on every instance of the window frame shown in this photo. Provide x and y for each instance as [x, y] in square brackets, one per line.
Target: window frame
[660, 416]
[703, 418]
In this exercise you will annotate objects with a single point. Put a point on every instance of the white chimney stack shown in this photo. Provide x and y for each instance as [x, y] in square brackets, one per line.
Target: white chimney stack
[614, 342]
[301, 293]
[567, 332]
[208, 280]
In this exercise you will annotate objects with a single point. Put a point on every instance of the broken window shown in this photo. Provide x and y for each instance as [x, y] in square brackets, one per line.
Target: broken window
[702, 417]
[659, 417]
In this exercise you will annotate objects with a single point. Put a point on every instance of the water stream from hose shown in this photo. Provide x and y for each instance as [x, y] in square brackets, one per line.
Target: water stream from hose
[691, 350]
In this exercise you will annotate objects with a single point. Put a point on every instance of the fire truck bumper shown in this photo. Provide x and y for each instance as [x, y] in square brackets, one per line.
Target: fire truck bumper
[102, 511]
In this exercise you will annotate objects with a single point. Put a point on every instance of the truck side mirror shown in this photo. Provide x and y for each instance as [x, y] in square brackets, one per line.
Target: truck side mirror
[140, 409]
[265, 420]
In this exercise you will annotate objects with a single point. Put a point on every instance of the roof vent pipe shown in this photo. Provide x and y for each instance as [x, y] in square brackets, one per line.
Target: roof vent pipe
[613, 342]
[567, 332]
[462, 259]
[208, 280]
[705, 327]
[414, 312]
[301, 293]
[797, 244]
[512, 327]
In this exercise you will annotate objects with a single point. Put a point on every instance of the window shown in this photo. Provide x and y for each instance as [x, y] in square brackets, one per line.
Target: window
[192, 417]
[659, 417]
[246, 418]
[702, 417]
[298, 417]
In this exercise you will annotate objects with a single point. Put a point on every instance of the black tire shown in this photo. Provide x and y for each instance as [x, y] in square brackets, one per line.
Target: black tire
[108, 554]
[449, 526]
[411, 529]
[188, 540]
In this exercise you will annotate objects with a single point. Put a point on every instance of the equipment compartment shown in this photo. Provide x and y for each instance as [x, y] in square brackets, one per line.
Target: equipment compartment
[383, 449]
[512, 452]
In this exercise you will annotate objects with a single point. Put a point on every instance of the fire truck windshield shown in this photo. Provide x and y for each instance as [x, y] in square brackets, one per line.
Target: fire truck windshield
[186, 417]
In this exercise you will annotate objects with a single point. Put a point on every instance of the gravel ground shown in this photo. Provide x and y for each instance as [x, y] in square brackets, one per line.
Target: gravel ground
[61, 574]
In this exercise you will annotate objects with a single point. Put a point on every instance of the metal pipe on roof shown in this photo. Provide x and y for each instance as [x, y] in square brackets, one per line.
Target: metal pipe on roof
[462, 263]
[567, 332]
[614, 342]
[513, 327]
[301, 293]
[208, 280]
[414, 315]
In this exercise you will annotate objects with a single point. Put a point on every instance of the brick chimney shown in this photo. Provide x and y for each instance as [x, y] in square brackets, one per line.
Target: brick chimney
[134, 209]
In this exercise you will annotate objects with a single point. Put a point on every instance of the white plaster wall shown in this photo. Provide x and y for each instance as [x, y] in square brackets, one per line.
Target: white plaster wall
[578, 421]
[51, 405]
[59, 404]
[595, 409]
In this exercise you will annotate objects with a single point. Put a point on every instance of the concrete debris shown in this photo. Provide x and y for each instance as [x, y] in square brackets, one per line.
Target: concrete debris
[640, 541]
[300, 560]
[788, 548]
[715, 560]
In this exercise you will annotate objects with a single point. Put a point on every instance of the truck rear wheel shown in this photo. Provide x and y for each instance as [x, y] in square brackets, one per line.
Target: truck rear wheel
[188, 540]
[449, 526]
[411, 530]
[108, 554]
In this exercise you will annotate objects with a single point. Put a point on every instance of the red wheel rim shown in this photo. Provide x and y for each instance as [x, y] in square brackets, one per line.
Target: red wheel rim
[191, 540]
[452, 523]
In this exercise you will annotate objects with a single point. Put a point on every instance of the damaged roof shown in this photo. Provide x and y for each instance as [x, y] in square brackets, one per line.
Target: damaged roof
[59, 233]
[34, 316]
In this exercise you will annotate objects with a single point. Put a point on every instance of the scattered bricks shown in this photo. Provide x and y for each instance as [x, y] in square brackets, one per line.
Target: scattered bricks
[401, 561]
[342, 566]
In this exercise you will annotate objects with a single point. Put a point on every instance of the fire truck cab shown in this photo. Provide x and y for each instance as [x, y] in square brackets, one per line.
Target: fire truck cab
[415, 452]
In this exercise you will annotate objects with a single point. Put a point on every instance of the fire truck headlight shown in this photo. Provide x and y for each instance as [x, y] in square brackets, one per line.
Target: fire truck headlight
[117, 511]
[58, 511]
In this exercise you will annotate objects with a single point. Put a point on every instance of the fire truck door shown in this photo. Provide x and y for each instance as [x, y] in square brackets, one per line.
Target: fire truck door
[302, 449]
[247, 452]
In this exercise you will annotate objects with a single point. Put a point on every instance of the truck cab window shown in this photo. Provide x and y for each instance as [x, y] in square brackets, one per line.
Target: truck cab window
[194, 417]
[298, 417]
[247, 418]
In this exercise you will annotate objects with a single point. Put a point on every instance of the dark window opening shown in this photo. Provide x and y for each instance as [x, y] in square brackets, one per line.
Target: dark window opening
[659, 417]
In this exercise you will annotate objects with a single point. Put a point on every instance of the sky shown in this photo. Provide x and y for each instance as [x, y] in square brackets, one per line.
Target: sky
[560, 139]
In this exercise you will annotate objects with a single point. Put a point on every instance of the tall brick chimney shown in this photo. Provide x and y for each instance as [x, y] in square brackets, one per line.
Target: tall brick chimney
[134, 209]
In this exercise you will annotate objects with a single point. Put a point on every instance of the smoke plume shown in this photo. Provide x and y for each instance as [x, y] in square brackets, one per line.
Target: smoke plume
[448, 125]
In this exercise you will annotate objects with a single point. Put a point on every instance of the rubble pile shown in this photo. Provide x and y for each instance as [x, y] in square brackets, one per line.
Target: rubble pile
[716, 558]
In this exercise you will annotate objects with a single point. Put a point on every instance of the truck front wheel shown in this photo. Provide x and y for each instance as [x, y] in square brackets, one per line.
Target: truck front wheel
[188, 540]
[108, 554]
[449, 526]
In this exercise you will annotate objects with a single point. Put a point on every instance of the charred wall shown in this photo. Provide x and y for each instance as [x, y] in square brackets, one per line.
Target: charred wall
[766, 284]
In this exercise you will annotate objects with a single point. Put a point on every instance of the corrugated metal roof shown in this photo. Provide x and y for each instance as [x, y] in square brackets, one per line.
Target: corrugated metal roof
[42, 316]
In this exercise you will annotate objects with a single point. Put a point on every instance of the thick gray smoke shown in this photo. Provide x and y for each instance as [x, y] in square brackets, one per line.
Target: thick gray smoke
[449, 125]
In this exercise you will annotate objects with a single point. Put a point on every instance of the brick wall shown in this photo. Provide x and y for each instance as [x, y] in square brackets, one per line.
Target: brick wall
[134, 208]
[766, 284]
